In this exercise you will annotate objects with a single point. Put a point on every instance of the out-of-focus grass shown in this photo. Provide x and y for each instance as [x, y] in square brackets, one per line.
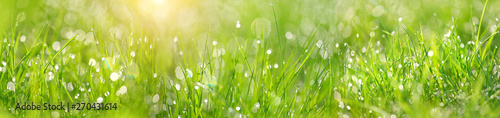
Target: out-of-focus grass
[368, 58]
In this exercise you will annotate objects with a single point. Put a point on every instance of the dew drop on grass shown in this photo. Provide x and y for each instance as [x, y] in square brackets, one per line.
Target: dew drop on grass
[246, 74]
[337, 96]
[70, 86]
[214, 43]
[132, 54]
[121, 91]
[269, 51]
[341, 105]
[155, 75]
[178, 87]
[400, 19]
[430, 53]
[238, 108]
[363, 50]
[23, 38]
[399, 66]
[372, 34]
[289, 35]
[178, 73]
[196, 87]
[156, 98]
[275, 65]
[462, 45]
[56, 46]
[92, 62]
[4, 63]
[80, 35]
[114, 76]
[319, 44]
[99, 100]
[238, 24]
[175, 39]
[11, 86]
[401, 87]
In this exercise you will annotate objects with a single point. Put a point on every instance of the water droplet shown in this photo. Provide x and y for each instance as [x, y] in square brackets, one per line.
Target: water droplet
[92, 62]
[238, 108]
[177, 86]
[214, 43]
[319, 44]
[337, 96]
[23, 38]
[11, 86]
[430, 53]
[132, 54]
[289, 35]
[121, 91]
[56, 46]
[114, 76]
[275, 65]
[238, 24]
[400, 19]
[178, 73]
[269, 51]
[99, 100]
[363, 50]
[462, 45]
[156, 98]
[69, 86]
[341, 105]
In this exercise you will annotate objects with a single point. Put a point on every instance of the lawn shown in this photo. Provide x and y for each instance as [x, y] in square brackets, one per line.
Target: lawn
[250, 58]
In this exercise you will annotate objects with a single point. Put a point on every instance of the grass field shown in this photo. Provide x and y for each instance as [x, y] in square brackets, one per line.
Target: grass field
[251, 58]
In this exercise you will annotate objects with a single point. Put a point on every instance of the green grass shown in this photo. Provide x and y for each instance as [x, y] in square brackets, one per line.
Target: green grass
[288, 59]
